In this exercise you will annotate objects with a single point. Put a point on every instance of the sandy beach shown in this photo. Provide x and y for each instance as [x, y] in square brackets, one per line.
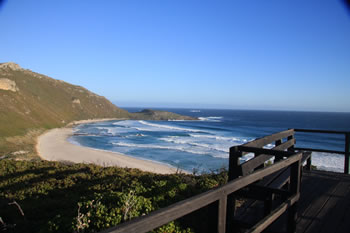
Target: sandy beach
[53, 146]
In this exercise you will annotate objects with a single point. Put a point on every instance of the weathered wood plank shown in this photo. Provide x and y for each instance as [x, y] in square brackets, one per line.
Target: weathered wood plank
[316, 200]
[259, 174]
[329, 217]
[253, 163]
[250, 211]
[295, 175]
[281, 180]
[235, 170]
[266, 221]
[347, 153]
[310, 188]
[343, 210]
[306, 157]
[222, 214]
[258, 150]
[260, 142]
[320, 131]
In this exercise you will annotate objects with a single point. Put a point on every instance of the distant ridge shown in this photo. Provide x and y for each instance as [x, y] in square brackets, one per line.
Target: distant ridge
[149, 114]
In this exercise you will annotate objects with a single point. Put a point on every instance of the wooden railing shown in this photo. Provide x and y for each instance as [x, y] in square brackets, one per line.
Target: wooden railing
[224, 195]
[346, 151]
[283, 183]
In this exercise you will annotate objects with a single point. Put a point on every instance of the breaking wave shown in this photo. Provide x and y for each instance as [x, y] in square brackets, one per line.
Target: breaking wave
[212, 118]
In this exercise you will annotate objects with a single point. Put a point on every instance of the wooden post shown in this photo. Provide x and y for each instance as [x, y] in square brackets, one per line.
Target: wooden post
[222, 214]
[346, 154]
[233, 173]
[261, 165]
[268, 204]
[291, 138]
[234, 169]
[277, 143]
[295, 175]
[308, 164]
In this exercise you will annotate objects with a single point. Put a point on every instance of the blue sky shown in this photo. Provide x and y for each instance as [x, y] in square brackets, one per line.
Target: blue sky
[279, 55]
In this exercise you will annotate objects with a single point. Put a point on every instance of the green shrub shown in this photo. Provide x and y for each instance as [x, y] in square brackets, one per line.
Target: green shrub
[57, 197]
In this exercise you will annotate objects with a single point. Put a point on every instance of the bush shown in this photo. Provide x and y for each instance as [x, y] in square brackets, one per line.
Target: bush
[58, 197]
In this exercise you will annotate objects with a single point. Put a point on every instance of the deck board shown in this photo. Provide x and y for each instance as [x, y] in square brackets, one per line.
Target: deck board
[324, 204]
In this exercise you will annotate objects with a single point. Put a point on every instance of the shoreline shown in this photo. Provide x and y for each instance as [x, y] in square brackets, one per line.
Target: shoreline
[53, 145]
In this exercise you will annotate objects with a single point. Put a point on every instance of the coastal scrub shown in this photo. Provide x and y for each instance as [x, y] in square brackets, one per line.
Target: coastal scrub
[58, 197]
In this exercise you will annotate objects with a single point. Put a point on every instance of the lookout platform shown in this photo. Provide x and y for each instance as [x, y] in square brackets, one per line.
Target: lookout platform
[324, 204]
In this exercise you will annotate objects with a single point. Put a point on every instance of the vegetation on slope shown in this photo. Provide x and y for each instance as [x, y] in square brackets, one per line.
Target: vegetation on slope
[31, 102]
[43, 102]
[57, 197]
[149, 114]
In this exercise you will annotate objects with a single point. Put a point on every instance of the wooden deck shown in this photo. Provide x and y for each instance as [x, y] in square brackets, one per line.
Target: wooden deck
[324, 204]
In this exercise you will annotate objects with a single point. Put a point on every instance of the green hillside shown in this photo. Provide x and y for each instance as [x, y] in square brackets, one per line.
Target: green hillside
[31, 102]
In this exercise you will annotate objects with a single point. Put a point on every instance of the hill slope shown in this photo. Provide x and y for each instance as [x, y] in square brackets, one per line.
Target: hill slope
[31, 102]
[35, 100]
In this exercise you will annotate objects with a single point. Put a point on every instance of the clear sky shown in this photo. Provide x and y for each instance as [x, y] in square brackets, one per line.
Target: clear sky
[280, 55]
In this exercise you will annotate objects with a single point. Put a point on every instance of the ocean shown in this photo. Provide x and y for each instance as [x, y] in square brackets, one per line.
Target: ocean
[203, 146]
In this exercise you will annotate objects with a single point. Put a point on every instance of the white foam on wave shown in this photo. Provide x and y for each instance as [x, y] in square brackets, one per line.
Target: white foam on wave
[129, 125]
[140, 145]
[211, 118]
[135, 135]
[110, 130]
[328, 161]
[189, 142]
[168, 127]
[195, 110]
[230, 139]
[125, 123]
[184, 148]
[152, 146]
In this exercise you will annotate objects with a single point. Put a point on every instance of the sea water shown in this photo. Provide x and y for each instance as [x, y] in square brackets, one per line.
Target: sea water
[203, 145]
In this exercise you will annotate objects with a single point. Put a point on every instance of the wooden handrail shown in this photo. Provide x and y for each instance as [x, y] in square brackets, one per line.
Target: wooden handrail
[321, 131]
[346, 151]
[260, 142]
